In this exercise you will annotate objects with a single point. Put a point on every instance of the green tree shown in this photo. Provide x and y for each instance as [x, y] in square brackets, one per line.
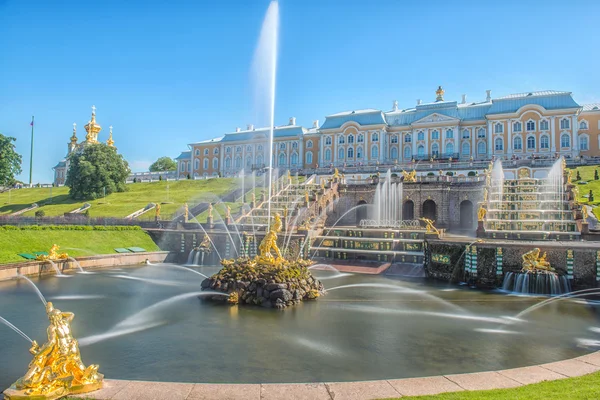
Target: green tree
[95, 171]
[163, 164]
[10, 161]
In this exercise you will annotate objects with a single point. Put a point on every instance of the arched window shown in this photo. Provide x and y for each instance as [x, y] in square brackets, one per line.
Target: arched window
[394, 139]
[544, 142]
[341, 154]
[481, 148]
[182, 167]
[197, 152]
[466, 149]
[421, 135]
[544, 125]
[294, 158]
[228, 163]
[359, 152]
[309, 144]
[435, 135]
[295, 145]
[499, 144]
[565, 141]
[517, 143]
[530, 126]
[435, 150]
[517, 127]
[328, 155]
[260, 147]
[228, 150]
[309, 157]
[466, 134]
[565, 124]
[328, 140]
[249, 148]
[583, 125]
[215, 163]
[449, 149]
[238, 149]
[350, 152]
[584, 143]
[259, 159]
[281, 159]
[375, 137]
[189, 167]
[407, 152]
[350, 138]
[421, 151]
[498, 128]
[248, 162]
[531, 143]
[361, 138]
[238, 162]
[394, 153]
[281, 146]
[341, 139]
[216, 151]
[374, 152]
[205, 163]
[197, 163]
[481, 133]
[407, 138]
[449, 134]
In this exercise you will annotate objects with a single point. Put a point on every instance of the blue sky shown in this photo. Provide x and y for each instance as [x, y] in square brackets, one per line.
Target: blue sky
[169, 73]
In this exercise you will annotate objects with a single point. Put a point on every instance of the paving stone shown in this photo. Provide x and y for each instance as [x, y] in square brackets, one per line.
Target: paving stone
[109, 390]
[303, 391]
[424, 386]
[529, 375]
[483, 381]
[571, 367]
[154, 391]
[593, 358]
[362, 390]
[224, 392]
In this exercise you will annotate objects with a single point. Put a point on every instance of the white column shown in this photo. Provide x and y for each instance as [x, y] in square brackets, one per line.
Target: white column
[321, 156]
[427, 141]
[490, 139]
[413, 144]
[509, 139]
[553, 134]
[300, 153]
[334, 145]
[473, 142]
[443, 141]
[221, 156]
[575, 141]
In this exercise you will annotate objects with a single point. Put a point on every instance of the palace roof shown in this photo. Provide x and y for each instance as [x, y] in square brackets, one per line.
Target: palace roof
[549, 99]
[260, 133]
[362, 117]
[591, 107]
[185, 155]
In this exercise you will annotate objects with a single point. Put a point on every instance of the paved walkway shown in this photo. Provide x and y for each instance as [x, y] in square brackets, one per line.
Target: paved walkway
[134, 390]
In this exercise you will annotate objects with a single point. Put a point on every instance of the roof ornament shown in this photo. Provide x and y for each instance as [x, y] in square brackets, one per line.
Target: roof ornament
[440, 94]
[488, 96]
[74, 137]
[110, 140]
[395, 107]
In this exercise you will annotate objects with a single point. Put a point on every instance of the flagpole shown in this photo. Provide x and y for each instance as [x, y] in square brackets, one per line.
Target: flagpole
[31, 157]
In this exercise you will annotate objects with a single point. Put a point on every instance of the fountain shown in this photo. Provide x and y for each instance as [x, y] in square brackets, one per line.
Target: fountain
[387, 203]
[52, 256]
[536, 277]
[56, 369]
[196, 256]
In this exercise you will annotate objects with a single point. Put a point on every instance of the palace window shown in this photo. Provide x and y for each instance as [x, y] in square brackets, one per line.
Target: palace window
[583, 125]
[350, 152]
[341, 140]
[182, 167]
[248, 148]
[359, 152]
[197, 163]
[228, 150]
[375, 137]
[394, 139]
[499, 128]
[421, 135]
[407, 138]
[238, 149]
[530, 126]
[584, 143]
[361, 138]
[531, 143]
[449, 149]
[466, 149]
[435, 150]
[394, 153]
[228, 163]
[215, 163]
[189, 167]
[374, 152]
[309, 157]
[281, 146]
[466, 134]
[259, 159]
[205, 163]
[499, 144]
[421, 151]
[328, 155]
[481, 148]
[295, 145]
[407, 153]
[260, 147]
[248, 162]
[216, 151]
[517, 143]
[517, 127]
[328, 140]
[309, 144]
[341, 154]
[281, 159]
[544, 142]
[435, 135]
[565, 123]
[449, 134]
[350, 138]
[565, 141]
[238, 162]
[294, 158]
[544, 125]
[481, 133]
[197, 152]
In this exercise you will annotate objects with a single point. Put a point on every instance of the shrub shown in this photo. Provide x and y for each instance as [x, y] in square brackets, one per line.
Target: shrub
[596, 175]
[40, 213]
[578, 175]
[472, 173]
[160, 177]
[69, 228]
[450, 173]
[430, 174]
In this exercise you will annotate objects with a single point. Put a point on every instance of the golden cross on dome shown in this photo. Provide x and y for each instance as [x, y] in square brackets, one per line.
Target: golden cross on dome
[93, 110]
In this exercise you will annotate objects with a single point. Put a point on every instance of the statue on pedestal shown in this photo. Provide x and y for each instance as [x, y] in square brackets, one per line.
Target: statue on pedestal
[533, 261]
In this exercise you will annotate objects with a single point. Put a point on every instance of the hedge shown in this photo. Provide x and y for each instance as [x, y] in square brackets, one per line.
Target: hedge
[69, 228]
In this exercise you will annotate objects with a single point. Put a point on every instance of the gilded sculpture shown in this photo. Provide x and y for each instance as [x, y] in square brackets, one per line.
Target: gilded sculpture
[410, 176]
[157, 210]
[186, 211]
[268, 246]
[205, 244]
[210, 210]
[227, 212]
[584, 213]
[481, 213]
[534, 261]
[56, 369]
[485, 194]
[336, 174]
[429, 226]
[53, 254]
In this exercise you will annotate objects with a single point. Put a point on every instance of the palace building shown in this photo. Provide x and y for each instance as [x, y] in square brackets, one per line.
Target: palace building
[92, 129]
[536, 124]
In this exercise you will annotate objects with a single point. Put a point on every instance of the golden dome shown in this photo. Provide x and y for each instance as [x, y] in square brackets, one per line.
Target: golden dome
[110, 140]
[74, 137]
[440, 94]
[92, 128]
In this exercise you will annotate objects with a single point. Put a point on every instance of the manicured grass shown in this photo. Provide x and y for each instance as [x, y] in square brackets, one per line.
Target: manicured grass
[74, 242]
[56, 202]
[587, 175]
[582, 388]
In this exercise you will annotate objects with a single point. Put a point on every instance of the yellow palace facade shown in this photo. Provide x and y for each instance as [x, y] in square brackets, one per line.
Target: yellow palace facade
[541, 124]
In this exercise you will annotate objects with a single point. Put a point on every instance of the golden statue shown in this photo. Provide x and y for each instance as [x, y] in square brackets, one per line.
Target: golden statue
[485, 194]
[228, 212]
[186, 211]
[322, 183]
[533, 261]
[269, 243]
[429, 225]
[157, 208]
[285, 211]
[481, 213]
[409, 176]
[210, 210]
[56, 369]
[584, 213]
[336, 174]
[289, 175]
[253, 198]
[205, 244]
[53, 254]
[306, 197]
[569, 177]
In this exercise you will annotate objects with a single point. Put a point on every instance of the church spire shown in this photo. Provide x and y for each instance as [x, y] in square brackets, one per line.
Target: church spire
[74, 137]
[110, 140]
[92, 128]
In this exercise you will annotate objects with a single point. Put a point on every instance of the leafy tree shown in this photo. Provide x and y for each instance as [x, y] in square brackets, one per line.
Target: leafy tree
[164, 164]
[578, 175]
[40, 213]
[95, 171]
[596, 175]
[10, 161]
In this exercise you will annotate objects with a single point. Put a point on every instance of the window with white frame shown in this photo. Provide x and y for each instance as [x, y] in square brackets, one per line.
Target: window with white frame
[197, 152]
[517, 143]
[517, 127]
[189, 167]
[449, 149]
[309, 157]
[228, 150]
[249, 148]
[435, 135]
[350, 152]
[281, 146]
[328, 155]
[341, 154]
[361, 138]
[374, 152]
[238, 149]
[407, 138]
[182, 167]
[435, 150]
[421, 135]
[196, 164]
[215, 163]
[544, 142]
[583, 125]
[498, 128]
[584, 144]
[544, 125]
[394, 153]
[481, 148]
[421, 151]
[466, 134]
[238, 162]
[375, 137]
[531, 143]
[407, 152]
[248, 162]
[216, 151]
[530, 126]
[228, 163]
[295, 159]
[394, 139]
[449, 134]
[565, 141]
[260, 147]
[481, 133]
[341, 139]
[295, 145]
[309, 144]
[499, 144]
[565, 123]
[350, 139]
[359, 152]
[281, 159]
[205, 163]
[328, 140]
[466, 149]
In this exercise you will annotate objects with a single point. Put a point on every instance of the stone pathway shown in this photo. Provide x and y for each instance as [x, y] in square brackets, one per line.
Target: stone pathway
[369, 390]
[591, 219]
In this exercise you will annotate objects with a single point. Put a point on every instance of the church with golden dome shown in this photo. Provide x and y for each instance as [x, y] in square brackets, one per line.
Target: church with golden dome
[92, 129]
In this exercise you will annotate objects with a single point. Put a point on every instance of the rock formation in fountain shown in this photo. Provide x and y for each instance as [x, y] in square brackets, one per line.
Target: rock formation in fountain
[267, 280]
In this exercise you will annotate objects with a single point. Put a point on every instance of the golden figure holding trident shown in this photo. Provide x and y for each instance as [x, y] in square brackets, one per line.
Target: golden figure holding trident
[56, 369]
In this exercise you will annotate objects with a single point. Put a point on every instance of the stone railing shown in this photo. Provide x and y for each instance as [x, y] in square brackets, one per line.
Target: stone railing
[409, 224]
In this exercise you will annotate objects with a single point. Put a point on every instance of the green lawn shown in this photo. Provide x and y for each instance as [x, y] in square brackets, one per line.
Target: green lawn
[55, 201]
[582, 388]
[74, 242]
[587, 175]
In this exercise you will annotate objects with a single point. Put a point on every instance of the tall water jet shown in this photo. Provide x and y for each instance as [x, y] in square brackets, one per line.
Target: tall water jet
[265, 73]
[497, 184]
[388, 201]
